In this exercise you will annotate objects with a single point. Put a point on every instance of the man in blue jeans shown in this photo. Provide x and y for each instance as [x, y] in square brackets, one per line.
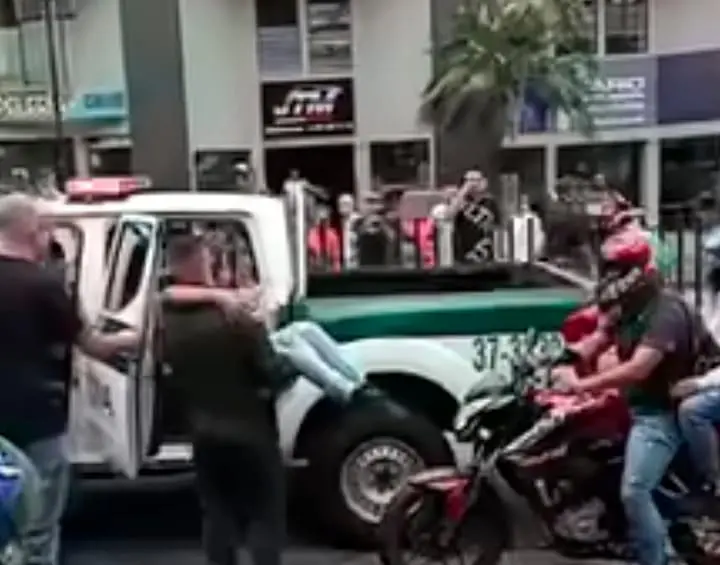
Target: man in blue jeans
[651, 329]
[38, 326]
[698, 415]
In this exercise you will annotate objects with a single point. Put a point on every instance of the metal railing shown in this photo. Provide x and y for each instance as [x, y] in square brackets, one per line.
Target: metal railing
[427, 245]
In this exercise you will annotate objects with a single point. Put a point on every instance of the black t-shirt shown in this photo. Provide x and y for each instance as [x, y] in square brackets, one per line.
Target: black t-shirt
[38, 325]
[474, 230]
[681, 335]
[224, 371]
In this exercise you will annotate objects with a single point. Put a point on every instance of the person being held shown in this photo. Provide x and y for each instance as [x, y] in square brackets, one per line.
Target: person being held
[303, 346]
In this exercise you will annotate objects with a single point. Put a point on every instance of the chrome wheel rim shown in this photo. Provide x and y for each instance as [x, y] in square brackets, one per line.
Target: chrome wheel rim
[373, 472]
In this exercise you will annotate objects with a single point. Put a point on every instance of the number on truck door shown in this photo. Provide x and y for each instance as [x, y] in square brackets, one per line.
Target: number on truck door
[113, 385]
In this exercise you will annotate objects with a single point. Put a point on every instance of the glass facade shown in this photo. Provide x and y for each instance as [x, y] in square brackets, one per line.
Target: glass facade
[620, 164]
[690, 168]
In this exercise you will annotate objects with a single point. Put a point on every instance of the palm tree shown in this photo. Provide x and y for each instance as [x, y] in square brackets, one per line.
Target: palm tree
[497, 51]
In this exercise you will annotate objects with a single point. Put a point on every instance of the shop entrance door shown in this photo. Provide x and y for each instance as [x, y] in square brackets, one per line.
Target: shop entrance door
[330, 167]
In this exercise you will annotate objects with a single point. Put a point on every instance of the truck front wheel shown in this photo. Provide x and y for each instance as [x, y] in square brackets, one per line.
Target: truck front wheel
[358, 463]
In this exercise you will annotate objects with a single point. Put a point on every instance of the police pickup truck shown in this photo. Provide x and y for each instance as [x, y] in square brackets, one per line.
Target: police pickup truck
[421, 337]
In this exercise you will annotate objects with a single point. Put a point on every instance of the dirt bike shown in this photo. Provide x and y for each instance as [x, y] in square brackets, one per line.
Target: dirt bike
[561, 455]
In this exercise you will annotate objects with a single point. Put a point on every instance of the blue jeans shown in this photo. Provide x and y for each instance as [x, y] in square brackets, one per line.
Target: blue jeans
[42, 539]
[317, 356]
[697, 416]
[653, 442]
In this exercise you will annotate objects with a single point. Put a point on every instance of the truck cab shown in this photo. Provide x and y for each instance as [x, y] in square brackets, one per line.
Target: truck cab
[423, 338]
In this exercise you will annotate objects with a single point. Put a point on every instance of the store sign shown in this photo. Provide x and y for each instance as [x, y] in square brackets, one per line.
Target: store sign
[623, 94]
[26, 106]
[311, 108]
[98, 105]
[689, 87]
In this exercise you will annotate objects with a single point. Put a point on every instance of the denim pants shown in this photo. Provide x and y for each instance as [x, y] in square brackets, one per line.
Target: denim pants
[241, 489]
[652, 444]
[317, 356]
[697, 416]
[42, 538]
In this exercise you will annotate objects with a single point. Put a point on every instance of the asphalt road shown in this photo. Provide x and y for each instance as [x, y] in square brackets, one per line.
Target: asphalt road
[139, 529]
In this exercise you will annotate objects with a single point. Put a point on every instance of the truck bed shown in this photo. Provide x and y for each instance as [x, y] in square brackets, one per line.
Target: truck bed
[486, 278]
[442, 304]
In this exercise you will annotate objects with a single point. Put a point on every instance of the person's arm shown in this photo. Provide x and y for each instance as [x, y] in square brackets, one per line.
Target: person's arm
[456, 203]
[67, 326]
[192, 294]
[592, 345]
[664, 336]
[709, 380]
[230, 300]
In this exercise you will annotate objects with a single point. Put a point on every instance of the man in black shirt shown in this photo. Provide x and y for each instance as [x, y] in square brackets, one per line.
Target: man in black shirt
[38, 325]
[474, 214]
[224, 368]
[653, 331]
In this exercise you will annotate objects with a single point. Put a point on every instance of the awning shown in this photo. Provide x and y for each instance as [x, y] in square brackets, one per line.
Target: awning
[98, 106]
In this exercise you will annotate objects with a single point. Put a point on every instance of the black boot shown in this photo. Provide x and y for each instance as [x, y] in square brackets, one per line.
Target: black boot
[687, 545]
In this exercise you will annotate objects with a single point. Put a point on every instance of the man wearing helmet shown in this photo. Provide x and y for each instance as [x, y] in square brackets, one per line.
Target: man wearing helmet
[653, 331]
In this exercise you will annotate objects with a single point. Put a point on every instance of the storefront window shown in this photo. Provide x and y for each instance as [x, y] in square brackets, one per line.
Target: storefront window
[619, 164]
[278, 37]
[401, 162]
[589, 41]
[626, 26]
[114, 161]
[23, 41]
[31, 162]
[690, 168]
[529, 167]
[329, 35]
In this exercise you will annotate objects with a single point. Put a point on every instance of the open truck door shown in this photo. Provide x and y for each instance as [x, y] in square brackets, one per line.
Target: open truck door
[129, 294]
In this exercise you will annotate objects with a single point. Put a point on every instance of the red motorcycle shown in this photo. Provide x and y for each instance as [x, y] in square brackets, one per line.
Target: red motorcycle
[561, 455]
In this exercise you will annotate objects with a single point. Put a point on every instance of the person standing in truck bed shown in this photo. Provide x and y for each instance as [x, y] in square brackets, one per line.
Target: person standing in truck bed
[223, 369]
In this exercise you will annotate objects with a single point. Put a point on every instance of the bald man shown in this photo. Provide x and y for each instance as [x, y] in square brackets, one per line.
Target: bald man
[38, 325]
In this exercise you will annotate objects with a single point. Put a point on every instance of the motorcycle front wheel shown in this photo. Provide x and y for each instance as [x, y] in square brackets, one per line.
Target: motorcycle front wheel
[415, 527]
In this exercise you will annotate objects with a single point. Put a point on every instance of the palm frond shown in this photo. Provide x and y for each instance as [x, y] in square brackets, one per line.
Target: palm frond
[499, 47]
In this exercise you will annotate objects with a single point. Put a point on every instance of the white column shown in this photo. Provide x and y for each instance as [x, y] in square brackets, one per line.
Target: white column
[81, 157]
[650, 181]
[362, 169]
[551, 168]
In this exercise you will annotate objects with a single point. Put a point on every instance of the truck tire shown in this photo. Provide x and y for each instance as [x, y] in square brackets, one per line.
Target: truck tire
[358, 463]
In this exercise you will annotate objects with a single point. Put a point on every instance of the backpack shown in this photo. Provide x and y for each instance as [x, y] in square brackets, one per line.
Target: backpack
[20, 500]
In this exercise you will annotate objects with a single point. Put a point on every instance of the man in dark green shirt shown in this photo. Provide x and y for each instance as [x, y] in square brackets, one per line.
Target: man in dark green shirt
[224, 369]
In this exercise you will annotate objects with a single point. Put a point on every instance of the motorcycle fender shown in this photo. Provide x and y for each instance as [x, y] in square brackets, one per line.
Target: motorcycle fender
[449, 483]
[439, 478]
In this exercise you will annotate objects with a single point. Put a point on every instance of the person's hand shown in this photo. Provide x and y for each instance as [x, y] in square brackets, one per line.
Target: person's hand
[127, 340]
[565, 378]
[239, 302]
[685, 388]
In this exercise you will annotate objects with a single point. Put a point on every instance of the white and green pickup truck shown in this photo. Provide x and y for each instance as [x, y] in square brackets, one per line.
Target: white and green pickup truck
[421, 337]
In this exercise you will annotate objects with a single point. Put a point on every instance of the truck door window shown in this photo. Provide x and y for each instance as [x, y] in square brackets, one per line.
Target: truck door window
[64, 256]
[234, 262]
[126, 267]
[109, 235]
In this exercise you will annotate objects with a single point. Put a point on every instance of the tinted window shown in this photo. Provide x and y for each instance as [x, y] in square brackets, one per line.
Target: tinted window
[126, 267]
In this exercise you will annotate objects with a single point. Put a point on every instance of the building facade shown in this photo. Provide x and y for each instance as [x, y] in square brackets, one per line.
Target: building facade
[185, 91]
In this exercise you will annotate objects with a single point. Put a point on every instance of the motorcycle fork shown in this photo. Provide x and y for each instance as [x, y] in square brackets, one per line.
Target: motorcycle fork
[459, 502]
